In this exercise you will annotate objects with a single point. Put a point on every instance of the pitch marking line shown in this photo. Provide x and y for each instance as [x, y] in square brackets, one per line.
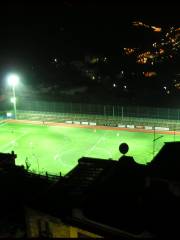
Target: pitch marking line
[94, 146]
[107, 153]
[8, 145]
[59, 157]
[4, 123]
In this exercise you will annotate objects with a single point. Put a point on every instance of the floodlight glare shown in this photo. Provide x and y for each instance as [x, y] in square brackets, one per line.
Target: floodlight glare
[13, 79]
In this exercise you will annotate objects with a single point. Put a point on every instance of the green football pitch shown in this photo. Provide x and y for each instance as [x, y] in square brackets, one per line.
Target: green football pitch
[56, 149]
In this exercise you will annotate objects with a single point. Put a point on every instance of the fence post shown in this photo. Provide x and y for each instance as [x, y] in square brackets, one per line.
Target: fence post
[122, 113]
[154, 142]
[104, 110]
[71, 107]
[113, 111]
[168, 113]
[80, 109]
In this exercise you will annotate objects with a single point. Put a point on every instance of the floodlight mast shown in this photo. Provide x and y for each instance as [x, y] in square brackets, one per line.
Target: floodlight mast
[14, 102]
[13, 81]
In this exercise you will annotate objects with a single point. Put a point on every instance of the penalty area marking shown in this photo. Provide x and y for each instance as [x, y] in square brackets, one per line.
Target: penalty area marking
[59, 157]
[107, 153]
[94, 145]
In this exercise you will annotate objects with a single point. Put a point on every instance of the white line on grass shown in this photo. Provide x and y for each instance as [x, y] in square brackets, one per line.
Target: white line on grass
[2, 124]
[94, 146]
[107, 153]
[59, 157]
[9, 144]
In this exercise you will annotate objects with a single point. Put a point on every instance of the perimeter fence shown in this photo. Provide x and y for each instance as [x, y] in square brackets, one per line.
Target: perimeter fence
[110, 115]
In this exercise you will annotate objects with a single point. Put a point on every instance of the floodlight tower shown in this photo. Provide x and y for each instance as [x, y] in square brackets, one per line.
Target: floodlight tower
[13, 80]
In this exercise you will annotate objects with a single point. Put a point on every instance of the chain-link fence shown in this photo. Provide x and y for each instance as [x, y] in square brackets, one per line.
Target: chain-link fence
[97, 109]
[101, 114]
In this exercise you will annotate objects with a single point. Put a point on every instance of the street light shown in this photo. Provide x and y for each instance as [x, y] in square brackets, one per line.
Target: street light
[13, 80]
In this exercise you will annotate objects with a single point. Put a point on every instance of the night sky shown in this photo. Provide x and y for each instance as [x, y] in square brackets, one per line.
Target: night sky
[42, 39]
[41, 29]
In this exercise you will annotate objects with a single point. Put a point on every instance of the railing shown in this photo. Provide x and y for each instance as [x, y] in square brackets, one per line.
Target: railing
[46, 176]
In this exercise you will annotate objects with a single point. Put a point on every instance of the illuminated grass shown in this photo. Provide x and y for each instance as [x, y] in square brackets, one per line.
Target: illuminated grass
[57, 149]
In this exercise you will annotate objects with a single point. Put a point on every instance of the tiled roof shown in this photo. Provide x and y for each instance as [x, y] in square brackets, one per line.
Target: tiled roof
[94, 185]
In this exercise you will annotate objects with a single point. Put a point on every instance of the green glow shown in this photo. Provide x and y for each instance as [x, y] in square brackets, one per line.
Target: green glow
[57, 149]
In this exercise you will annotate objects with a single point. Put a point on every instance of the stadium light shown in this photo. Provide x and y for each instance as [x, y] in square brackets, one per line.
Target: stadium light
[13, 80]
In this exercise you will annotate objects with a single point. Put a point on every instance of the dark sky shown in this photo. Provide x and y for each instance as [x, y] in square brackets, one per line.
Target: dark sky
[33, 32]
